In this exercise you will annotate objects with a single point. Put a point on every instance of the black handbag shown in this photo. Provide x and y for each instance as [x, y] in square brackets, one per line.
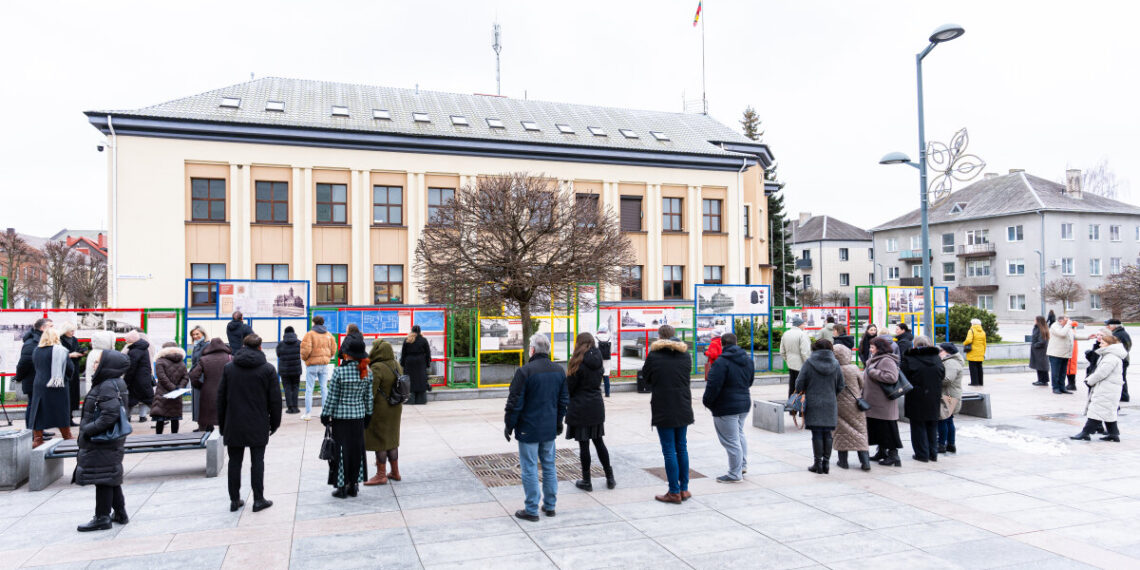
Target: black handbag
[796, 405]
[328, 446]
[899, 388]
[860, 403]
[120, 429]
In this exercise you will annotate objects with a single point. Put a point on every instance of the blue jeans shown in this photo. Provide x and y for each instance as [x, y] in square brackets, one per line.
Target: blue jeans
[946, 431]
[673, 447]
[530, 454]
[319, 372]
[730, 432]
[1057, 369]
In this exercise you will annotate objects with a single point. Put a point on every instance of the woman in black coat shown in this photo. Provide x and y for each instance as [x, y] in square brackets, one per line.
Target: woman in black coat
[415, 357]
[924, 369]
[140, 375]
[869, 334]
[48, 407]
[586, 415]
[76, 353]
[1038, 344]
[904, 339]
[289, 368]
[820, 381]
[100, 463]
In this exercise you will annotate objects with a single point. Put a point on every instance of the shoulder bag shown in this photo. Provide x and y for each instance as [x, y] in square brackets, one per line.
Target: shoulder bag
[401, 388]
[860, 403]
[899, 388]
[948, 405]
[328, 446]
[796, 404]
[120, 429]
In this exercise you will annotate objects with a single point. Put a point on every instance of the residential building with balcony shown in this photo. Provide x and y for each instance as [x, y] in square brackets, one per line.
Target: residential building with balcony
[985, 238]
[831, 255]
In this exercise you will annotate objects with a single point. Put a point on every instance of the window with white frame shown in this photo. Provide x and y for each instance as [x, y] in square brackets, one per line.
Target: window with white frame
[893, 273]
[1017, 302]
[1069, 305]
[871, 278]
[807, 282]
[891, 245]
[871, 254]
[1094, 232]
[948, 272]
[1015, 233]
[843, 254]
[947, 243]
[844, 279]
[1094, 267]
[1113, 233]
[978, 268]
[1094, 301]
[1114, 265]
[916, 270]
[915, 242]
[977, 237]
[1066, 231]
[1015, 267]
[986, 302]
[1067, 266]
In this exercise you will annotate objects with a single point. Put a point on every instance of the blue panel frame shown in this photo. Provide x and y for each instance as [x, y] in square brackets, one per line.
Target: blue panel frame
[751, 322]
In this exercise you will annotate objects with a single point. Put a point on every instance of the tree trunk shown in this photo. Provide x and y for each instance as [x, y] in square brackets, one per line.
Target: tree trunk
[524, 313]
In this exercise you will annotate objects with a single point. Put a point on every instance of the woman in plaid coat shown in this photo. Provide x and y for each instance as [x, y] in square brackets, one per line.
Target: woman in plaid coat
[347, 411]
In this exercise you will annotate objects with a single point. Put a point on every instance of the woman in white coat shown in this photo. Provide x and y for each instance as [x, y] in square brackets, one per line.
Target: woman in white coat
[1105, 385]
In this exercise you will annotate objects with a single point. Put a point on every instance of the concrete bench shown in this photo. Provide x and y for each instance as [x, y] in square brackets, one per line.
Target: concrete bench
[47, 460]
[976, 404]
[769, 415]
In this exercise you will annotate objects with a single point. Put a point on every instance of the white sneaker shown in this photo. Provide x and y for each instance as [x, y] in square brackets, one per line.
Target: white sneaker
[306, 417]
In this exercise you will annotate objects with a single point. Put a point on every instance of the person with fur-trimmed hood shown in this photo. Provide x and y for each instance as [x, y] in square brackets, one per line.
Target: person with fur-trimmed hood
[666, 372]
[170, 370]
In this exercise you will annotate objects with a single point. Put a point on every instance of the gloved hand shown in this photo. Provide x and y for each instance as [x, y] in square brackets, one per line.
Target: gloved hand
[507, 433]
[326, 421]
[560, 426]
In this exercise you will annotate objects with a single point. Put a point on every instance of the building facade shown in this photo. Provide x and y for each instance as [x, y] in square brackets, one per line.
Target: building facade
[333, 184]
[832, 256]
[986, 237]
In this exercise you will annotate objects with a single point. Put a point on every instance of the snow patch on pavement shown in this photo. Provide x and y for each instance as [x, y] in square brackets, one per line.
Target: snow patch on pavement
[1026, 443]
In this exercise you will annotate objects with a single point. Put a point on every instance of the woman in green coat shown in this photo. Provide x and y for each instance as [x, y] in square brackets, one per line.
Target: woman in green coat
[383, 433]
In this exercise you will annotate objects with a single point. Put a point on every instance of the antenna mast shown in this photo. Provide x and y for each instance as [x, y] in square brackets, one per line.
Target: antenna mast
[498, 47]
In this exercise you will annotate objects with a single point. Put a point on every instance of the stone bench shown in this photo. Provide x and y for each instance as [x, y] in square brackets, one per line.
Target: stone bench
[976, 404]
[47, 460]
[769, 415]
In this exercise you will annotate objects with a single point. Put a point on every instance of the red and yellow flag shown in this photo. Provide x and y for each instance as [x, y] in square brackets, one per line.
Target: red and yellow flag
[697, 17]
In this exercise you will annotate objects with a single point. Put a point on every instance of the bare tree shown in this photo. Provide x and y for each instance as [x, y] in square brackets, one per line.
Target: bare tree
[18, 257]
[836, 297]
[56, 264]
[963, 296]
[1065, 290]
[87, 286]
[1100, 180]
[517, 239]
[810, 298]
[1121, 293]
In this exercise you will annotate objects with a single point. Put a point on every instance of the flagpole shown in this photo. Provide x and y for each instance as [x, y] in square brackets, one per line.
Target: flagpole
[704, 95]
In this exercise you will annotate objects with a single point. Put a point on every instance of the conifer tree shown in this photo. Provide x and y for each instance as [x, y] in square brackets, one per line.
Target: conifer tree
[779, 250]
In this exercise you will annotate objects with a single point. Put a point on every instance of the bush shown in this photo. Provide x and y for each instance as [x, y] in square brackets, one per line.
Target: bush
[744, 337]
[960, 316]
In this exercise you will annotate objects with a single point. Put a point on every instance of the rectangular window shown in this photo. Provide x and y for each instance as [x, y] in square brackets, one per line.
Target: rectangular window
[387, 284]
[891, 245]
[1094, 232]
[871, 278]
[1015, 233]
[747, 275]
[272, 271]
[977, 237]
[671, 214]
[916, 271]
[1094, 267]
[1113, 233]
[1015, 267]
[1017, 302]
[1070, 305]
[843, 254]
[438, 198]
[1114, 265]
[747, 221]
[807, 282]
[1066, 231]
[202, 294]
[587, 209]
[1094, 301]
[631, 289]
[948, 272]
[207, 200]
[332, 204]
[871, 253]
[1067, 266]
[388, 205]
[710, 213]
[844, 279]
[805, 254]
[915, 242]
[893, 273]
[332, 284]
[978, 268]
[631, 213]
[714, 274]
[947, 243]
[674, 281]
[986, 302]
[272, 202]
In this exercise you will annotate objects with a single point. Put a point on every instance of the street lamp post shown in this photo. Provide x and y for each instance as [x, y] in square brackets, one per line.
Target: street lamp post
[944, 33]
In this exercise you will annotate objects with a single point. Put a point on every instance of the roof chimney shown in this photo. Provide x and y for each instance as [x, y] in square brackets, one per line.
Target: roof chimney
[989, 175]
[1016, 170]
[1073, 183]
[804, 217]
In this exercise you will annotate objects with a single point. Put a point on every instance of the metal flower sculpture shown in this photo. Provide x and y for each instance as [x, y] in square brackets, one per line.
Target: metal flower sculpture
[951, 163]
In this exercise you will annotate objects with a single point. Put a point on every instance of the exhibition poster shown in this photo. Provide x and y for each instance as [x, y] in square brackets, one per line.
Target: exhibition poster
[904, 300]
[161, 327]
[816, 317]
[735, 300]
[430, 320]
[651, 319]
[500, 334]
[879, 307]
[262, 300]
[13, 326]
[712, 326]
[587, 309]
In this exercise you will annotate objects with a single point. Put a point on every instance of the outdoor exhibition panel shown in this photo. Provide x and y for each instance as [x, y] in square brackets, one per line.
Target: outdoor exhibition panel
[890, 305]
[392, 323]
[717, 308]
[503, 334]
[3, 292]
[212, 302]
[633, 327]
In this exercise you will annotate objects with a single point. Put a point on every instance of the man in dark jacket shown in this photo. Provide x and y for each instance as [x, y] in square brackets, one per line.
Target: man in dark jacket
[289, 368]
[727, 396]
[25, 369]
[249, 411]
[1126, 340]
[924, 369]
[535, 408]
[666, 371]
[236, 330]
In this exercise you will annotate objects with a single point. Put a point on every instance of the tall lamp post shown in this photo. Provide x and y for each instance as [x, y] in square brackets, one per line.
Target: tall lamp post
[944, 33]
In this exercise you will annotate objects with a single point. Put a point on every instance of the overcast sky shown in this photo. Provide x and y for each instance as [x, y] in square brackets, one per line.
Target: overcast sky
[1040, 85]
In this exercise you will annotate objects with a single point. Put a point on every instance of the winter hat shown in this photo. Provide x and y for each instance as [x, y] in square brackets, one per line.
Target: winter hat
[797, 322]
[290, 330]
[975, 321]
[132, 337]
[353, 347]
[948, 348]
[1112, 322]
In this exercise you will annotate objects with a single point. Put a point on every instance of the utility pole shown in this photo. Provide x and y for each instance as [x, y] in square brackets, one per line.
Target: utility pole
[498, 47]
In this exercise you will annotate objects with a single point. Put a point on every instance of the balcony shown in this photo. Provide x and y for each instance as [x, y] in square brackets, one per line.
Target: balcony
[803, 263]
[910, 282]
[977, 250]
[984, 283]
[914, 255]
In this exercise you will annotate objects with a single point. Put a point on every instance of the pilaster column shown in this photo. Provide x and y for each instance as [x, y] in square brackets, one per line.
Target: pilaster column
[734, 217]
[415, 206]
[653, 271]
[239, 198]
[696, 236]
[300, 244]
[305, 206]
[361, 238]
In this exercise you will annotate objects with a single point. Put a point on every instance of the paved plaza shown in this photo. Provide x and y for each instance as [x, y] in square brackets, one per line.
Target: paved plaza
[1018, 494]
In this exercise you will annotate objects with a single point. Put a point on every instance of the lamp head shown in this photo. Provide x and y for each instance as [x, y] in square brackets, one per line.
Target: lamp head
[946, 32]
[894, 158]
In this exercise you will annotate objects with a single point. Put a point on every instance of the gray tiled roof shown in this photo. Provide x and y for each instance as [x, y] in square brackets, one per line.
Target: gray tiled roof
[1015, 193]
[826, 228]
[63, 234]
[308, 104]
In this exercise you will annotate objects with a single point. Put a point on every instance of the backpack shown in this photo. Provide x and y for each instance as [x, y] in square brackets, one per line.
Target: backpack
[401, 389]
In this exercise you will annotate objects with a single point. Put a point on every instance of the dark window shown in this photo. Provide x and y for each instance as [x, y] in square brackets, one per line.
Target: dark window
[674, 282]
[631, 213]
[747, 275]
[388, 284]
[714, 274]
[632, 288]
[332, 284]
[843, 254]
[844, 279]
[587, 205]
[747, 224]
[207, 199]
[671, 214]
[202, 294]
[438, 198]
[332, 204]
[272, 271]
[272, 202]
[710, 211]
[388, 205]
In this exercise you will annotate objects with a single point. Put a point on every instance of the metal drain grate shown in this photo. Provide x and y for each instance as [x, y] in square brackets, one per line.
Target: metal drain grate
[502, 469]
[659, 472]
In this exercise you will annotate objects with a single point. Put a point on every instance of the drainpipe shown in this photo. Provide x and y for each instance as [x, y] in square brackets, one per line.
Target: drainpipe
[740, 212]
[1041, 253]
[113, 266]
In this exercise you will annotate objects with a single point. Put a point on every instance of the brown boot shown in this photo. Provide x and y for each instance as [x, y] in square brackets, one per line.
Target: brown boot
[66, 432]
[37, 438]
[380, 478]
[394, 474]
[674, 498]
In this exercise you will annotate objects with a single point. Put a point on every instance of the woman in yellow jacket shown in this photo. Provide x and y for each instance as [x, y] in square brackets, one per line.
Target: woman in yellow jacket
[975, 351]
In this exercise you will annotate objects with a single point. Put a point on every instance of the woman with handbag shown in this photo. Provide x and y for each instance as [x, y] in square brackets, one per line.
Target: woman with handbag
[951, 395]
[925, 371]
[882, 370]
[820, 381]
[347, 411]
[50, 405]
[382, 435]
[100, 458]
[851, 431]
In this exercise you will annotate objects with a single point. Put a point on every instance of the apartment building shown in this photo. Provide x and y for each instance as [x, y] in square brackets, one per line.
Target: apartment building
[995, 238]
[831, 255]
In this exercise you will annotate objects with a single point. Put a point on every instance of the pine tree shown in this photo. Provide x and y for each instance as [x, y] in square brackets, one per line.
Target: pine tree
[783, 277]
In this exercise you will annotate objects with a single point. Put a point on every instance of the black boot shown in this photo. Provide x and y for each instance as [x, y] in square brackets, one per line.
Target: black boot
[96, 523]
[158, 426]
[610, 482]
[352, 490]
[827, 441]
[817, 454]
[340, 493]
[1086, 432]
[1113, 432]
[584, 483]
[864, 460]
[120, 517]
[880, 453]
[841, 462]
[892, 459]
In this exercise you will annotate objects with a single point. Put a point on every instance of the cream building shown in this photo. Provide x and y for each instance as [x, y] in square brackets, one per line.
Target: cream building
[333, 183]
